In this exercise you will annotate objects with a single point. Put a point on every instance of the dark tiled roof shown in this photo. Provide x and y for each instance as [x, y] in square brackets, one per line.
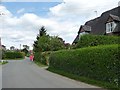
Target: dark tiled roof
[116, 18]
[98, 24]
[86, 28]
[117, 28]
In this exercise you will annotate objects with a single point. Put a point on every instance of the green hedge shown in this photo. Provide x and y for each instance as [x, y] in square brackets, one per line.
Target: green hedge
[99, 63]
[14, 55]
[42, 57]
[95, 40]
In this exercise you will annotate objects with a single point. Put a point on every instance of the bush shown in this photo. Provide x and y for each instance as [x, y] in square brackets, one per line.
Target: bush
[99, 63]
[42, 57]
[14, 55]
[95, 40]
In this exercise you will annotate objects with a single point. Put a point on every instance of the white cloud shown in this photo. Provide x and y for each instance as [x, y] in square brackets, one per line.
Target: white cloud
[21, 11]
[5, 11]
[32, 0]
[82, 9]
[64, 20]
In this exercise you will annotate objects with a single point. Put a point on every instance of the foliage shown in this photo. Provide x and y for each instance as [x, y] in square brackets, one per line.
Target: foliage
[56, 43]
[95, 40]
[101, 84]
[43, 43]
[14, 55]
[3, 62]
[2, 53]
[98, 63]
[42, 31]
[25, 51]
[41, 58]
[26, 47]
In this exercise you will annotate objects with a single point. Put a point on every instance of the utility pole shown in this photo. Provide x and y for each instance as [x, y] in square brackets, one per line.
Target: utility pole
[20, 47]
[96, 13]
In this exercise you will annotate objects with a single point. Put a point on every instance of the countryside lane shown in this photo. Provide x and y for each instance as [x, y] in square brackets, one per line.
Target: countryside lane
[25, 74]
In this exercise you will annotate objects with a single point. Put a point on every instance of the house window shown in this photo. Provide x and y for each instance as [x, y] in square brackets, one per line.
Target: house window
[110, 27]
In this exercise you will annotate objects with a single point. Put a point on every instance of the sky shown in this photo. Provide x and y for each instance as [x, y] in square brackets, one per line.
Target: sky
[20, 21]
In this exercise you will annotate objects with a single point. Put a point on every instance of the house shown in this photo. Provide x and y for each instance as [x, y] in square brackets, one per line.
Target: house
[2, 47]
[84, 29]
[12, 48]
[107, 24]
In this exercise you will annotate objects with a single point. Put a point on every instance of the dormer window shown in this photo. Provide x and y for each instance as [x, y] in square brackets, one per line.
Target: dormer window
[110, 27]
[112, 23]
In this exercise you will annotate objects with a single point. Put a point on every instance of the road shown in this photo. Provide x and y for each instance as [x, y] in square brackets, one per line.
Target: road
[26, 74]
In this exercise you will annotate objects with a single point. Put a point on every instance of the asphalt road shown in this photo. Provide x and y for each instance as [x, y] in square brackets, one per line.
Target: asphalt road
[26, 74]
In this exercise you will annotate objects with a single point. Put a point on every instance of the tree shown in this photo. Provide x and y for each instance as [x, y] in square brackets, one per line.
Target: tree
[44, 43]
[42, 31]
[25, 49]
[26, 46]
[56, 43]
[12, 48]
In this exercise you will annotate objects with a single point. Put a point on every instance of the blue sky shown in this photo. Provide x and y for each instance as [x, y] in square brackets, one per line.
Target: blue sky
[22, 20]
[39, 8]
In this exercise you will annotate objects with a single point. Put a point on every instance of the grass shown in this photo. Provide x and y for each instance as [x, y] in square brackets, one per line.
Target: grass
[4, 62]
[14, 59]
[101, 84]
[40, 64]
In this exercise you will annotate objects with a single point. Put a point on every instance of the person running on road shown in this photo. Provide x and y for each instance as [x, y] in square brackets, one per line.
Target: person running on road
[31, 57]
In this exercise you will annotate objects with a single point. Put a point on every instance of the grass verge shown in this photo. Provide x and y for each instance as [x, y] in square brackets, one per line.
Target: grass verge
[101, 84]
[40, 64]
[14, 59]
[4, 62]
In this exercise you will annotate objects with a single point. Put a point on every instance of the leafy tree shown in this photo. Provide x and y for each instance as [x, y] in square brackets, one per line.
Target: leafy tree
[12, 48]
[43, 43]
[56, 43]
[26, 46]
[25, 51]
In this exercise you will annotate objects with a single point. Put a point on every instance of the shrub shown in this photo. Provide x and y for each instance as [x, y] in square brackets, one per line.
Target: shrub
[95, 40]
[42, 57]
[99, 63]
[14, 55]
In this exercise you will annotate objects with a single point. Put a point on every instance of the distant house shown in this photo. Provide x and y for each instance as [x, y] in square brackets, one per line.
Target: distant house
[107, 24]
[2, 47]
[12, 48]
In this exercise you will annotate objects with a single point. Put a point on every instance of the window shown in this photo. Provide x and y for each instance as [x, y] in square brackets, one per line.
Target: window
[110, 27]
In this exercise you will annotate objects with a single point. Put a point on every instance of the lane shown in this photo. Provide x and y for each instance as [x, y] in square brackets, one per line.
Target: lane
[25, 74]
